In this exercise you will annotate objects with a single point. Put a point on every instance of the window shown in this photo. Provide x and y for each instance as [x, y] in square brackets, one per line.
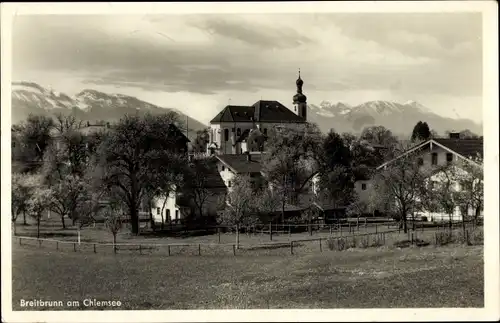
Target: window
[223, 168]
[229, 184]
[449, 158]
[420, 161]
[363, 187]
[158, 210]
[176, 215]
[168, 214]
[434, 158]
[226, 134]
[238, 132]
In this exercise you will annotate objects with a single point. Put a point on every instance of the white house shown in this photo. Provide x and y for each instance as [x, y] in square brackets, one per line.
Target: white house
[440, 152]
[230, 127]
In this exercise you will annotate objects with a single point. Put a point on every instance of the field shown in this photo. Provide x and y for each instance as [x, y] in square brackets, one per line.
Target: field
[209, 275]
[363, 278]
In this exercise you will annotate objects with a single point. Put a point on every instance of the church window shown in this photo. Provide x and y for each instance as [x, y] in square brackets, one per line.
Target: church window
[226, 134]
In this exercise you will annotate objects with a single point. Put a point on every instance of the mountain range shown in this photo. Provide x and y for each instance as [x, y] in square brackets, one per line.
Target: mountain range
[91, 105]
[400, 118]
[88, 105]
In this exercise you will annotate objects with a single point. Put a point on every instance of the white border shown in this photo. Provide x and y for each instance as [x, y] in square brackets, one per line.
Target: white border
[490, 113]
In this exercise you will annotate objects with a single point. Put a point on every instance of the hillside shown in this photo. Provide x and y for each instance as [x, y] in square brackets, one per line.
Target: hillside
[88, 105]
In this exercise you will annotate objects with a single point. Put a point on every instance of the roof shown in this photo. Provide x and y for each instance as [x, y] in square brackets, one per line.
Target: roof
[240, 163]
[260, 111]
[465, 147]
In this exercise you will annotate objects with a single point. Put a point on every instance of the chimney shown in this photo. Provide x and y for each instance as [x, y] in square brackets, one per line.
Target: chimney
[454, 135]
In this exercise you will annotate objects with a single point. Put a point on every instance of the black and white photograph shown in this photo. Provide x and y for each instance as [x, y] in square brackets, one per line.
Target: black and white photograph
[267, 157]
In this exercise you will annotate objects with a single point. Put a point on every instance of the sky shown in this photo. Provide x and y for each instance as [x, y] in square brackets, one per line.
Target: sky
[200, 63]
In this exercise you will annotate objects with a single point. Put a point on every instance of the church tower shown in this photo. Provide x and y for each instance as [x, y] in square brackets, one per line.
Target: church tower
[299, 100]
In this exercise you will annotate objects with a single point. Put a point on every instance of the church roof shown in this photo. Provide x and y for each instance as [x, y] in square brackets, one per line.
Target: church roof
[260, 111]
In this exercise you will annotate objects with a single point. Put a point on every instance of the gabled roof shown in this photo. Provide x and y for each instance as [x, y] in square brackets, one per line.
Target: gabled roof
[463, 148]
[260, 111]
[240, 164]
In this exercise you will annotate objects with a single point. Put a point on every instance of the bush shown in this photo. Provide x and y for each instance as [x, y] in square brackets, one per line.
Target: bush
[377, 241]
[365, 242]
[444, 238]
[339, 244]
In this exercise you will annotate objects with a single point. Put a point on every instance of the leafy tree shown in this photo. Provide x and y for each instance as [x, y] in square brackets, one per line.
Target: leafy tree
[30, 141]
[38, 204]
[132, 153]
[23, 187]
[291, 161]
[267, 202]
[421, 131]
[201, 141]
[469, 177]
[239, 210]
[378, 135]
[256, 140]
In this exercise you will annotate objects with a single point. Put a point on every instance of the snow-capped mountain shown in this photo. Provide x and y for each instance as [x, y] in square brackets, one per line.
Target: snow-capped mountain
[400, 118]
[91, 105]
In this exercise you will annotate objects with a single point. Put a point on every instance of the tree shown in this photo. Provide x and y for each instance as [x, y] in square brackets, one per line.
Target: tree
[378, 135]
[291, 161]
[133, 151]
[113, 220]
[399, 185]
[30, 140]
[38, 203]
[467, 134]
[67, 195]
[421, 131]
[266, 202]
[239, 206]
[198, 177]
[23, 187]
[469, 177]
[67, 123]
[256, 140]
[442, 193]
[201, 141]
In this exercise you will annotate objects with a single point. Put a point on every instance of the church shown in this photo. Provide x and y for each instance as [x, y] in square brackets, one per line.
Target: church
[231, 128]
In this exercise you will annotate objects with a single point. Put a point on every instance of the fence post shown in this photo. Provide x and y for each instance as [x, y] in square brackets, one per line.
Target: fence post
[376, 228]
[289, 230]
[57, 245]
[140, 249]
[330, 229]
[271, 231]
[19, 240]
[74, 246]
[291, 247]
[218, 231]
[467, 237]
[234, 250]
[199, 249]
[320, 246]
[435, 238]
[340, 226]
[168, 249]
[94, 249]
[349, 226]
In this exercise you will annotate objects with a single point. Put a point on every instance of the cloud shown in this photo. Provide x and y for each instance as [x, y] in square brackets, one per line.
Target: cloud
[412, 54]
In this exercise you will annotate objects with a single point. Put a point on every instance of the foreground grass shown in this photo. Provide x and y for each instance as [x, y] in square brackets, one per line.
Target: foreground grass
[363, 278]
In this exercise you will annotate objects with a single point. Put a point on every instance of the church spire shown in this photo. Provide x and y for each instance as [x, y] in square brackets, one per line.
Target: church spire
[299, 97]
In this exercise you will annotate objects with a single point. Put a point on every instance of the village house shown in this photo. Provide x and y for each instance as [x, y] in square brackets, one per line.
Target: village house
[437, 152]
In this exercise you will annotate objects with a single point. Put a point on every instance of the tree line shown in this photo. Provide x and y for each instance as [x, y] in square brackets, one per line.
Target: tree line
[71, 172]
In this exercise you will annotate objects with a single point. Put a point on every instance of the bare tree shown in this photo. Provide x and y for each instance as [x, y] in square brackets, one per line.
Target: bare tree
[399, 183]
[67, 122]
[239, 206]
[198, 177]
